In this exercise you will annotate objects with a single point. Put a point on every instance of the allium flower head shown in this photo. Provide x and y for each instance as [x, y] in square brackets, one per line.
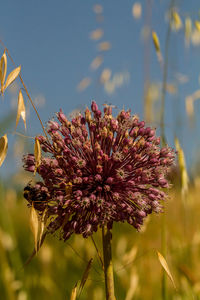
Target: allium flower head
[100, 169]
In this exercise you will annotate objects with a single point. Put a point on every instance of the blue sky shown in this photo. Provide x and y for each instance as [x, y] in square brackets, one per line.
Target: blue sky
[50, 40]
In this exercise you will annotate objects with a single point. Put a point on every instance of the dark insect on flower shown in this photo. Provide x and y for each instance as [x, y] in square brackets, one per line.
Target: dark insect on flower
[100, 169]
[35, 197]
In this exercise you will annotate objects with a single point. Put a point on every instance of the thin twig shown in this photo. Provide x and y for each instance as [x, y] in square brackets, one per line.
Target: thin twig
[98, 253]
[39, 245]
[23, 135]
[82, 257]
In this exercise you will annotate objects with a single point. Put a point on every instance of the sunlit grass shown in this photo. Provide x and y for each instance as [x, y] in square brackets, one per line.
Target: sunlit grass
[58, 265]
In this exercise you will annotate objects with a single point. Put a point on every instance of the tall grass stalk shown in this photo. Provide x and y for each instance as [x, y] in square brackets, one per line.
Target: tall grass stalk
[163, 142]
[26, 90]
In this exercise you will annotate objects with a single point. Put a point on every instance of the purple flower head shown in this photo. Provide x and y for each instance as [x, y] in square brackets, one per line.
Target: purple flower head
[100, 169]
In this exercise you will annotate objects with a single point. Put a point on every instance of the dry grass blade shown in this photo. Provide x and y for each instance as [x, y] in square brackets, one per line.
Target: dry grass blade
[85, 275]
[34, 226]
[157, 47]
[197, 25]
[156, 41]
[3, 70]
[21, 110]
[3, 148]
[188, 30]
[12, 76]
[182, 166]
[175, 21]
[37, 154]
[165, 267]
[42, 227]
[74, 293]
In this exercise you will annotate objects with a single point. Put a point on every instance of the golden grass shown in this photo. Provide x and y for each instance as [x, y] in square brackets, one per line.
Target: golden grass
[58, 266]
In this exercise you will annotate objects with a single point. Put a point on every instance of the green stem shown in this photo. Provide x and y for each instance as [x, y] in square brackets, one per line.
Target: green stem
[108, 266]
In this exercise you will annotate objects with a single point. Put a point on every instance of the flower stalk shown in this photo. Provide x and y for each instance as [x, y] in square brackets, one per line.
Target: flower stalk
[108, 266]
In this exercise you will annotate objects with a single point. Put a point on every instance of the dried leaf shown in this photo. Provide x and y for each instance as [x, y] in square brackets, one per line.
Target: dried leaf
[137, 10]
[156, 41]
[165, 267]
[12, 76]
[21, 110]
[3, 70]
[74, 293]
[34, 226]
[3, 148]
[37, 154]
[96, 34]
[85, 275]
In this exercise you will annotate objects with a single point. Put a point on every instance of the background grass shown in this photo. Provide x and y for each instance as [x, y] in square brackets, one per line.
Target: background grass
[54, 271]
[58, 265]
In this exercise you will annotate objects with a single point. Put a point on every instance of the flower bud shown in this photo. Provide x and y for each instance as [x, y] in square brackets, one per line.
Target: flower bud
[94, 106]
